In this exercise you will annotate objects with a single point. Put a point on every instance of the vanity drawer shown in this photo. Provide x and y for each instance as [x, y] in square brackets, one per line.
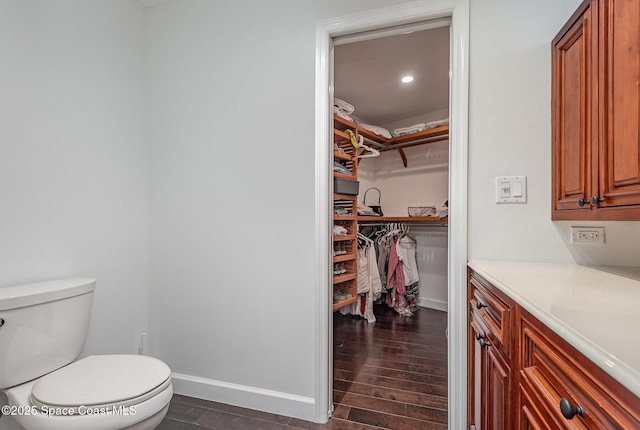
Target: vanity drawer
[552, 370]
[493, 308]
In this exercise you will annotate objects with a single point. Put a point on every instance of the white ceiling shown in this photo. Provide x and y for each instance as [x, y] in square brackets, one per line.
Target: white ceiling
[368, 73]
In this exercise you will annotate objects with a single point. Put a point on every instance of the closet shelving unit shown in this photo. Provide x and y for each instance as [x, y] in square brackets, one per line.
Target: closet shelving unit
[431, 220]
[398, 143]
[347, 282]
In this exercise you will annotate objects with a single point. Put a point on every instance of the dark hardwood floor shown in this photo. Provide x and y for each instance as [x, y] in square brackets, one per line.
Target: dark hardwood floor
[387, 375]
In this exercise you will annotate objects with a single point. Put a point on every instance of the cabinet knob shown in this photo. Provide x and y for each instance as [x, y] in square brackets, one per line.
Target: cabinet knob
[594, 200]
[568, 410]
[582, 202]
[480, 339]
[480, 305]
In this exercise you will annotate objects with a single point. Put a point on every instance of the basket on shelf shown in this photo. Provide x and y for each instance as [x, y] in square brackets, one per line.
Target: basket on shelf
[376, 208]
[421, 210]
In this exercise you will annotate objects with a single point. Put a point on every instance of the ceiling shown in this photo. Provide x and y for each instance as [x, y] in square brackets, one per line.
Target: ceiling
[368, 73]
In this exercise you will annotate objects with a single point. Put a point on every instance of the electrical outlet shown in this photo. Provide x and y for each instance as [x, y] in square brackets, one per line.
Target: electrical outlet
[587, 234]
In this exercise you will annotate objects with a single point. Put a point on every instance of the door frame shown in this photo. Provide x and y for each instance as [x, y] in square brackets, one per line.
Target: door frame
[326, 30]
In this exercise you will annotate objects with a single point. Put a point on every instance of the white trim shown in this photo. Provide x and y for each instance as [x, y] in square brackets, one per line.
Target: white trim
[399, 15]
[439, 305]
[276, 402]
[458, 174]
[324, 188]
[391, 31]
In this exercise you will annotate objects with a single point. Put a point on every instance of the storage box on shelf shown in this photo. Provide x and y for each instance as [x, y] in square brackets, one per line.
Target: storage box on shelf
[345, 286]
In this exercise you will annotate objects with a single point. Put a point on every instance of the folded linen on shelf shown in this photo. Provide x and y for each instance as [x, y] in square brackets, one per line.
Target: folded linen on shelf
[342, 108]
[380, 131]
[339, 230]
[409, 130]
[421, 210]
[438, 123]
[366, 210]
[337, 167]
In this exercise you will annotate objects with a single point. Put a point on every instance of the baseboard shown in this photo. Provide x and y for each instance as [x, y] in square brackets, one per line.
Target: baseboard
[438, 305]
[275, 402]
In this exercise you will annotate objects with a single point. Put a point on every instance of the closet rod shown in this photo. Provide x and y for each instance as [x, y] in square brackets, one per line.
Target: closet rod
[409, 224]
[385, 147]
[417, 142]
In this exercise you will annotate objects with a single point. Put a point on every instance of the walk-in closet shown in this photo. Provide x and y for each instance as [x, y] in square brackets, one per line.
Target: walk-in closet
[390, 224]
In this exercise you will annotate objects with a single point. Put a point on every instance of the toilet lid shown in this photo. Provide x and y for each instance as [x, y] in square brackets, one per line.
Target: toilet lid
[102, 380]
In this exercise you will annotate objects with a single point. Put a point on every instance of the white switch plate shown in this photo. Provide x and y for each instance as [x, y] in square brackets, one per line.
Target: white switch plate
[511, 189]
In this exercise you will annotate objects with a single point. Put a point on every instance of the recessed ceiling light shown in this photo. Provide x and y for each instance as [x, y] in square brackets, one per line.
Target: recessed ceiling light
[407, 79]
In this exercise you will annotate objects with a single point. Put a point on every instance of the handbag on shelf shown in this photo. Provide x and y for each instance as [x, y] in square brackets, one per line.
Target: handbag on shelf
[376, 208]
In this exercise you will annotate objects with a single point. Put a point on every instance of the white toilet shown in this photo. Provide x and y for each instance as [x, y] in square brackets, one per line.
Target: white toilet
[43, 328]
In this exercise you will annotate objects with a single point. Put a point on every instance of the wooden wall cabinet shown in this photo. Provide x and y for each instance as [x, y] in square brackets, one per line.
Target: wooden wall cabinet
[596, 113]
[524, 376]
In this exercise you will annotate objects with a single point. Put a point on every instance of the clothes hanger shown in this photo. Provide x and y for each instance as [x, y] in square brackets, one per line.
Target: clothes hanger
[405, 233]
[373, 152]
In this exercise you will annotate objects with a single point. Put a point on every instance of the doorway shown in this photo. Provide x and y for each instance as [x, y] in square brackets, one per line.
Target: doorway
[390, 360]
[387, 18]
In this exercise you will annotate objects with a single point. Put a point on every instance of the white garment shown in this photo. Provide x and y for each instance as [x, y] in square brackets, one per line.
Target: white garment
[406, 249]
[364, 280]
[374, 274]
[339, 230]
[369, 285]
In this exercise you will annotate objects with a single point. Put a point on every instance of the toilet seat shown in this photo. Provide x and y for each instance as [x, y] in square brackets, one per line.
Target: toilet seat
[101, 381]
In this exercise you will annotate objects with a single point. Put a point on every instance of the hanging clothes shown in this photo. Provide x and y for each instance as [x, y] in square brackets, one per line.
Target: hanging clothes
[406, 249]
[386, 261]
[369, 283]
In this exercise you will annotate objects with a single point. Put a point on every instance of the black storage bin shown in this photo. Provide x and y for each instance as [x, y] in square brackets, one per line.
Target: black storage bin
[346, 186]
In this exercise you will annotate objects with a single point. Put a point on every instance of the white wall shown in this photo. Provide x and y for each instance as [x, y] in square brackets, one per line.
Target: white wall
[232, 202]
[423, 181]
[510, 134]
[74, 156]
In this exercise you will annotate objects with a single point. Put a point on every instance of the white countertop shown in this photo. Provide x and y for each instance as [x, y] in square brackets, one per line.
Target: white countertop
[596, 311]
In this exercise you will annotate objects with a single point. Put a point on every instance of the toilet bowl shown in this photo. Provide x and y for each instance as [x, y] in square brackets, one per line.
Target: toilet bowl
[47, 389]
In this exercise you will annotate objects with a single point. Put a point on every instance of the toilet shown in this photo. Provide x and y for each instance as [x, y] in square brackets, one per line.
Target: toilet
[43, 328]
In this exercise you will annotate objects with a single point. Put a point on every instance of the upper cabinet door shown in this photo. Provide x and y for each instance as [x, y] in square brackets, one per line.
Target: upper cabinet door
[574, 94]
[620, 111]
[596, 113]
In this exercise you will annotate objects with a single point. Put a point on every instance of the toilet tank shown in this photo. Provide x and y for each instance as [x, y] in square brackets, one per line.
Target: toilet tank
[43, 327]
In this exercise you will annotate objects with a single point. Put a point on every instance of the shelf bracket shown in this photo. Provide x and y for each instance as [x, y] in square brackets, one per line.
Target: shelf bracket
[404, 157]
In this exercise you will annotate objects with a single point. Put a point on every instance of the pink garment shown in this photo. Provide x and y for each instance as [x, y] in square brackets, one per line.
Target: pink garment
[395, 275]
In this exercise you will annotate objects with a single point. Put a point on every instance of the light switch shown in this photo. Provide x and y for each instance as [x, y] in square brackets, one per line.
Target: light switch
[511, 189]
[505, 188]
[517, 189]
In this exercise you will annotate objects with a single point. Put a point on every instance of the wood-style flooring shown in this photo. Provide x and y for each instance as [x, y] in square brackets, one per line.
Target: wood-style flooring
[387, 375]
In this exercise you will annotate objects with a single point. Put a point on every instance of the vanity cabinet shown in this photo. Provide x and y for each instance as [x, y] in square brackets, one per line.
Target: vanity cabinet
[561, 389]
[595, 113]
[522, 375]
[490, 352]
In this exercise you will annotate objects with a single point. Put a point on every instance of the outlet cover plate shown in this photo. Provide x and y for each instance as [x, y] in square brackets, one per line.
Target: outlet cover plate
[587, 235]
